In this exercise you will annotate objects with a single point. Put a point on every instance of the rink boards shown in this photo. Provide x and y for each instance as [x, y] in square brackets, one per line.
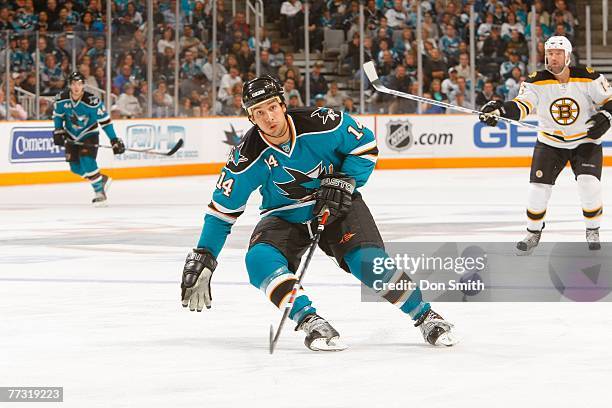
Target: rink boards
[28, 156]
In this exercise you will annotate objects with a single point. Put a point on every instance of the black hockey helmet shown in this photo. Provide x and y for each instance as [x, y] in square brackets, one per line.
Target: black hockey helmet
[261, 89]
[76, 76]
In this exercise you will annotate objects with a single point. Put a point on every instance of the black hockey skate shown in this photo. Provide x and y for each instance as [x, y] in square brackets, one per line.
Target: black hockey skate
[592, 237]
[435, 330]
[320, 335]
[528, 244]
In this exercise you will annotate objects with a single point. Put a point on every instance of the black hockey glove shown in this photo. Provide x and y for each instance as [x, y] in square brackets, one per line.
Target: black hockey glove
[195, 285]
[335, 194]
[492, 108]
[118, 146]
[59, 137]
[600, 124]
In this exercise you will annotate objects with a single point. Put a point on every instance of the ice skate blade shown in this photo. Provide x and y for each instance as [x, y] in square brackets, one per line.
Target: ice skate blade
[100, 204]
[334, 344]
[520, 252]
[594, 247]
[446, 339]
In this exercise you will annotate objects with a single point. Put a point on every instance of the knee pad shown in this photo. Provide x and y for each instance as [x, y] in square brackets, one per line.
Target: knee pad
[537, 201]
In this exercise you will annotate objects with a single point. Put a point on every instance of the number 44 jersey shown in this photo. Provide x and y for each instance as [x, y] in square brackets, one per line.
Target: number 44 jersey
[322, 141]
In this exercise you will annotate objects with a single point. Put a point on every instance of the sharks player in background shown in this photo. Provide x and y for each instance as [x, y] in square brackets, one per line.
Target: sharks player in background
[302, 161]
[76, 116]
[576, 105]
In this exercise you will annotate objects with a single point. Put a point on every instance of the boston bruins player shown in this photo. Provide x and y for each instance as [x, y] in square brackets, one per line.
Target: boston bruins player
[78, 116]
[301, 161]
[576, 105]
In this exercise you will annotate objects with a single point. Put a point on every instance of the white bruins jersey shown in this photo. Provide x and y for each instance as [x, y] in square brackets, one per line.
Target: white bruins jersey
[564, 108]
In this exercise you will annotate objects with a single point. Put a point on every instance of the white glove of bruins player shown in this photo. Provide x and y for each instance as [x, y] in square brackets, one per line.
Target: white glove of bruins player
[195, 285]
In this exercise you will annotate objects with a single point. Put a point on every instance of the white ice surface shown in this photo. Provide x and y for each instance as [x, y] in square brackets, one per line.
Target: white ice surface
[89, 300]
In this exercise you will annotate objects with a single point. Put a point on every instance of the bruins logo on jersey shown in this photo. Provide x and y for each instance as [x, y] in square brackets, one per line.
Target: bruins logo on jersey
[564, 111]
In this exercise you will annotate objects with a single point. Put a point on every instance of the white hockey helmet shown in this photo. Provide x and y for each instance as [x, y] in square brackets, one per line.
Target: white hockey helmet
[558, 42]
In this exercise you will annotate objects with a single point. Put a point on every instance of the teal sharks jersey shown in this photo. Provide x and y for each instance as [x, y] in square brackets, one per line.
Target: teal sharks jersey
[322, 141]
[81, 118]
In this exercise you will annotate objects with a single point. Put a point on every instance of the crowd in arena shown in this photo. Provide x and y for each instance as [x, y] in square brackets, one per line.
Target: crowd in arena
[70, 35]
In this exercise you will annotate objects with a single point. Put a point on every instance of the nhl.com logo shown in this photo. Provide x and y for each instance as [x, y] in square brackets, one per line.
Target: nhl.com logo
[399, 135]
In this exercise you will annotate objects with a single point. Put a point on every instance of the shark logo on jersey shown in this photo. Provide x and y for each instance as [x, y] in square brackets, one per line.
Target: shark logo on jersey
[78, 122]
[232, 137]
[325, 114]
[236, 157]
[303, 184]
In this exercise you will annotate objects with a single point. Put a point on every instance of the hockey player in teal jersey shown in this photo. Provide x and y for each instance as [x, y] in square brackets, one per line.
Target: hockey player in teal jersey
[77, 116]
[302, 161]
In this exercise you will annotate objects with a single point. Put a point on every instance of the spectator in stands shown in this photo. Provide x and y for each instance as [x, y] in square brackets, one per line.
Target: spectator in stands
[52, 76]
[484, 29]
[99, 48]
[189, 41]
[264, 41]
[449, 44]
[410, 63]
[436, 65]
[21, 59]
[396, 16]
[245, 57]
[166, 41]
[513, 83]
[186, 109]
[429, 109]
[5, 18]
[436, 91]
[128, 104]
[399, 80]
[264, 65]
[191, 70]
[52, 10]
[239, 24]
[235, 107]
[404, 44]
[460, 100]
[289, 65]
[123, 78]
[506, 67]
[511, 25]
[561, 27]
[430, 28]
[207, 69]
[387, 64]
[385, 48]
[15, 110]
[450, 85]
[348, 106]
[518, 44]
[494, 48]
[486, 95]
[463, 68]
[289, 15]
[318, 83]
[543, 17]
[334, 98]
[460, 90]
[277, 56]
[372, 15]
[128, 23]
[291, 90]
[162, 101]
[561, 8]
[293, 102]
[319, 100]
[227, 83]
[90, 80]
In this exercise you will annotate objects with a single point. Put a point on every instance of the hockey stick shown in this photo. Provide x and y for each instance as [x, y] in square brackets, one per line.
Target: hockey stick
[170, 152]
[313, 245]
[370, 71]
